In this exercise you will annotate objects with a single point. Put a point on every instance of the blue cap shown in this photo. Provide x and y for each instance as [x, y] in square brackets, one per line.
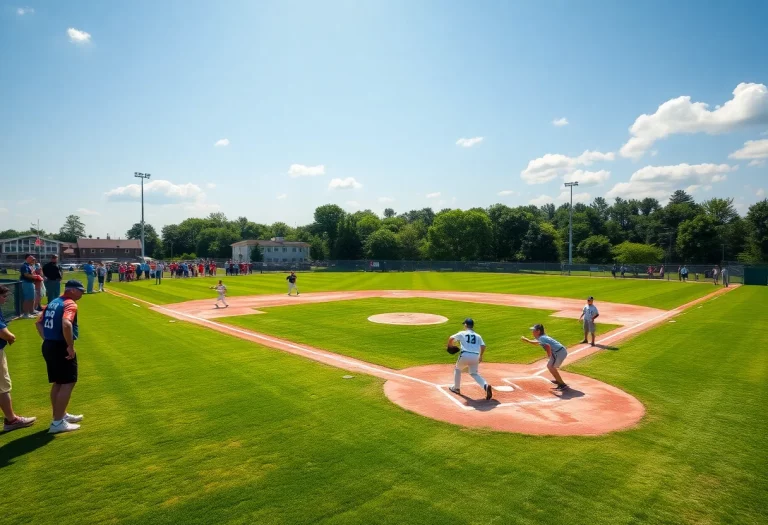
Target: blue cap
[469, 322]
[74, 284]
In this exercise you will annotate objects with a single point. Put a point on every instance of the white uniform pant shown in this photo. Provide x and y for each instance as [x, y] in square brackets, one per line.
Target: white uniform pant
[470, 361]
[221, 299]
[292, 286]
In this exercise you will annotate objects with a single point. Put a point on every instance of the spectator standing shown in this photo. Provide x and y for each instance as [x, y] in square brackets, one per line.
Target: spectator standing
[38, 271]
[11, 420]
[121, 273]
[623, 270]
[57, 327]
[28, 278]
[53, 276]
[679, 273]
[614, 269]
[101, 272]
[684, 273]
[110, 269]
[90, 275]
[159, 272]
[146, 270]
[724, 275]
[714, 275]
[661, 272]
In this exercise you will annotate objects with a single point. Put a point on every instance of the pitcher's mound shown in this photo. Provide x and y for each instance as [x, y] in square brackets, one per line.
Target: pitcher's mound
[407, 318]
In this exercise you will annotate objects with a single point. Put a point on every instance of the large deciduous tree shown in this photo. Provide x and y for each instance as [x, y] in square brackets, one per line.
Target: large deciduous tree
[383, 245]
[151, 239]
[596, 249]
[697, 240]
[72, 229]
[540, 243]
[757, 218]
[636, 253]
[460, 236]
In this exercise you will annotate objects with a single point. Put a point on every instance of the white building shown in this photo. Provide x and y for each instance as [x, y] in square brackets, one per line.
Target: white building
[275, 250]
[17, 247]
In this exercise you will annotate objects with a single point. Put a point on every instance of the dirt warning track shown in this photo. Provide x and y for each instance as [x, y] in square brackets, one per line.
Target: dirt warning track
[523, 401]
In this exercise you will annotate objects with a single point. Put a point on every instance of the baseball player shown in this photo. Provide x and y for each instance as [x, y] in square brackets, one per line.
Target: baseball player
[724, 275]
[222, 291]
[292, 283]
[588, 315]
[472, 350]
[555, 351]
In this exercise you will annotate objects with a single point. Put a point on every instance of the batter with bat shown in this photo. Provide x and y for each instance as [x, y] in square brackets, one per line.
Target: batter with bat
[470, 347]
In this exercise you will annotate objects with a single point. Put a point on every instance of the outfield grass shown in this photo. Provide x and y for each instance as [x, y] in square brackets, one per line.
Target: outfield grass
[186, 425]
[343, 327]
[659, 294]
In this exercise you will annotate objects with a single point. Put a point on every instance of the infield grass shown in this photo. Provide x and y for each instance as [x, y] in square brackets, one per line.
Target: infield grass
[343, 327]
[187, 425]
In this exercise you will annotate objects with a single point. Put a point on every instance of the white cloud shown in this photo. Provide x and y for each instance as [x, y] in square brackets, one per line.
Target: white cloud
[560, 122]
[210, 186]
[386, 200]
[221, 143]
[749, 106]
[85, 211]
[435, 195]
[755, 163]
[541, 200]
[157, 192]
[764, 133]
[565, 196]
[468, 143]
[202, 207]
[300, 170]
[505, 193]
[3, 210]
[344, 184]
[752, 149]
[553, 165]
[760, 193]
[77, 36]
[587, 178]
[660, 181]
[282, 196]
[654, 152]
[353, 204]
[21, 11]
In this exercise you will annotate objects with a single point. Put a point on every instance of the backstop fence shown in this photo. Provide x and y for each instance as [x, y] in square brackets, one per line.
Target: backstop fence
[12, 306]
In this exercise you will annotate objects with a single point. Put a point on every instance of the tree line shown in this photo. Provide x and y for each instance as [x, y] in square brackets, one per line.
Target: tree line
[625, 231]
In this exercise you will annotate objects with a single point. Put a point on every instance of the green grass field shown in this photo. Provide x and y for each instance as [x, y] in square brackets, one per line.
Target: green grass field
[658, 294]
[343, 327]
[187, 425]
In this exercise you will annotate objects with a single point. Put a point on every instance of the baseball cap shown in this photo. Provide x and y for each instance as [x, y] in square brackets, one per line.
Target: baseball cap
[74, 284]
[469, 321]
[539, 327]
[590, 298]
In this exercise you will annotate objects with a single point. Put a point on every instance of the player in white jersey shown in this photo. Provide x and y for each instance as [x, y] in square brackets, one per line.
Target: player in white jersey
[222, 291]
[472, 350]
[589, 313]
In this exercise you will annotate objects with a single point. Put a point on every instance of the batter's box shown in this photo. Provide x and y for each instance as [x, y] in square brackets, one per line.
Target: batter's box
[515, 391]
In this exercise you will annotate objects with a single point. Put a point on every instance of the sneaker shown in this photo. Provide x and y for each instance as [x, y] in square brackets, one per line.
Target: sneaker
[583, 342]
[62, 426]
[591, 344]
[29, 316]
[454, 390]
[488, 392]
[562, 387]
[72, 418]
[554, 382]
[19, 422]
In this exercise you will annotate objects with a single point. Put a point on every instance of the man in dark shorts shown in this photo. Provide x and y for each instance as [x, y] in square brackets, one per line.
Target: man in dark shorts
[57, 327]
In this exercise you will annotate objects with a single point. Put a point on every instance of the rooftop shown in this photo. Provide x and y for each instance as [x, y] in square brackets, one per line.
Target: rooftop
[255, 242]
[109, 243]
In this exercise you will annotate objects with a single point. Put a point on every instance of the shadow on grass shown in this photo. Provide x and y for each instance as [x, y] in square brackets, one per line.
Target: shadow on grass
[606, 347]
[23, 445]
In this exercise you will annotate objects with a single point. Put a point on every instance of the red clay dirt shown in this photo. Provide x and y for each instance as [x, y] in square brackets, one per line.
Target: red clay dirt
[525, 403]
[407, 318]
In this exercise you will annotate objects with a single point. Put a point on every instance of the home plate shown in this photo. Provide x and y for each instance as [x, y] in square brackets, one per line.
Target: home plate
[504, 388]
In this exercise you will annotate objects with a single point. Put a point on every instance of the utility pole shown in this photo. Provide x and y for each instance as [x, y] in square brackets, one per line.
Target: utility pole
[142, 176]
[570, 226]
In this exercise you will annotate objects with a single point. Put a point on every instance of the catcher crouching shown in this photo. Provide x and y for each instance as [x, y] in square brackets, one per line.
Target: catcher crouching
[470, 347]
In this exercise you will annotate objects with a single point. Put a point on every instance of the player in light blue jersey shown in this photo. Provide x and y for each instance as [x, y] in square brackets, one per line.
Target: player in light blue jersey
[472, 350]
[555, 352]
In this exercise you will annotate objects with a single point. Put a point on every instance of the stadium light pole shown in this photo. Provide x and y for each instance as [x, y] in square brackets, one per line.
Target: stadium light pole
[570, 225]
[142, 176]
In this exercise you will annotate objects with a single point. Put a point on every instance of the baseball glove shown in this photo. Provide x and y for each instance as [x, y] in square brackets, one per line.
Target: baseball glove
[452, 349]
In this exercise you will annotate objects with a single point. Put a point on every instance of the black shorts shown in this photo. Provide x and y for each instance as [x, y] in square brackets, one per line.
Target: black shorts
[61, 370]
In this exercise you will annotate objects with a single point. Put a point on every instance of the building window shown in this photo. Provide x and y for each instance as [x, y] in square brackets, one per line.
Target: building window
[101, 250]
[294, 250]
[93, 250]
[293, 260]
[127, 250]
[285, 250]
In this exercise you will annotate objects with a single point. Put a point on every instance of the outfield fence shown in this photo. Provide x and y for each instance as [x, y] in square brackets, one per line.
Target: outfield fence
[12, 306]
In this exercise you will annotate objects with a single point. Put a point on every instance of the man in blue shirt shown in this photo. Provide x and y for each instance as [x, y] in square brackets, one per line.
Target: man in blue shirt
[11, 421]
[90, 274]
[57, 327]
[27, 277]
[555, 352]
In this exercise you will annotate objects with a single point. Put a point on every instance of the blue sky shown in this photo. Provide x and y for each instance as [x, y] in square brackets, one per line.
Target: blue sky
[364, 104]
